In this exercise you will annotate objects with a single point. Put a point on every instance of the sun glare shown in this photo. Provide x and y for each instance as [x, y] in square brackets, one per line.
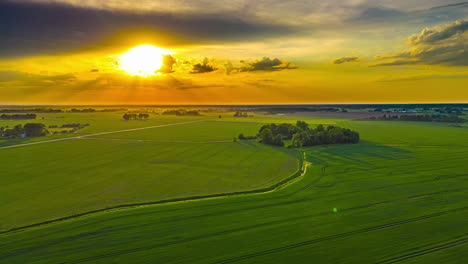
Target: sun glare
[143, 60]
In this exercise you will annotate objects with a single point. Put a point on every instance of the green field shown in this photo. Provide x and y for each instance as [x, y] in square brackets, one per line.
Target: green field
[399, 196]
[56, 179]
[99, 122]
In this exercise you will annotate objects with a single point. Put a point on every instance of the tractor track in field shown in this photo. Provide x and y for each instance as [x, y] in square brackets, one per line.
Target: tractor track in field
[341, 235]
[426, 251]
[312, 183]
[199, 237]
[101, 133]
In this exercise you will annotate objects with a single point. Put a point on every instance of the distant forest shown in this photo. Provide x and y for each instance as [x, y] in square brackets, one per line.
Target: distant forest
[425, 118]
[182, 112]
[17, 116]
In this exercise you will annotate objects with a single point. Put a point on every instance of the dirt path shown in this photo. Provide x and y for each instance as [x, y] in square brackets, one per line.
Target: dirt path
[99, 134]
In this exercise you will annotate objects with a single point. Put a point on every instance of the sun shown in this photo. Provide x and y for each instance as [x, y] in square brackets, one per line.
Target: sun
[143, 60]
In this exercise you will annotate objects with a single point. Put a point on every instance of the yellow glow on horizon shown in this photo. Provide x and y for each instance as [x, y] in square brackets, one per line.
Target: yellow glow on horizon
[143, 60]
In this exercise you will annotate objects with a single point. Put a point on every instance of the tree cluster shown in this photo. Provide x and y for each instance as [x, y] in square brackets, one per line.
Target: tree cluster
[241, 114]
[29, 130]
[450, 110]
[14, 132]
[35, 130]
[423, 118]
[301, 135]
[127, 117]
[18, 116]
[324, 136]
[242, 137]
[86, 110]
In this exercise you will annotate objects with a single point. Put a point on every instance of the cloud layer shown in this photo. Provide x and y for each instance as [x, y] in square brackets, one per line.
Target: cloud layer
[440, 45]
[31, 27]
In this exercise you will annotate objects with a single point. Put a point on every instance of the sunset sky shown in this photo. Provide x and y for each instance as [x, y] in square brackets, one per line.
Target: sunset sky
[266, 52]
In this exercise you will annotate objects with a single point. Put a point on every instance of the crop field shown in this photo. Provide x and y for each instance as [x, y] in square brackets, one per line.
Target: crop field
[399, 196]
[84, 174]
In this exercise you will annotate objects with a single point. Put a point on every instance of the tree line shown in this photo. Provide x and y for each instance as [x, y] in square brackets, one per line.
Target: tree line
[127, 117]
[422, 118]
[182, 112]
[35, 110]
[18, 116]
[241, 114]
[302, 135]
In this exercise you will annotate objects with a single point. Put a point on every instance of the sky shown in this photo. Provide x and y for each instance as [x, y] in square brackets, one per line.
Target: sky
[235, 51]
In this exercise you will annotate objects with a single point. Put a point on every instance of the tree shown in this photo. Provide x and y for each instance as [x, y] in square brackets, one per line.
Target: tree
[18, 129]
[266, 136]
[35, 129]
[319, 128]
[278, 141]
[302, 125]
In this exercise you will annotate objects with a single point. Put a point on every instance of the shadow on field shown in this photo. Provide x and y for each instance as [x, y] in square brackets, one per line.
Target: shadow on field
[359, 153]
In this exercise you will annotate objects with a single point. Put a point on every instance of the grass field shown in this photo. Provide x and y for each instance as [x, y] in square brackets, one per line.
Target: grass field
[99, 122]
[86, 174]
[400, 197]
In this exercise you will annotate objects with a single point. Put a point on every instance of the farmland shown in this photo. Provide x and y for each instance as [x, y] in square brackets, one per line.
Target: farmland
[398, 196]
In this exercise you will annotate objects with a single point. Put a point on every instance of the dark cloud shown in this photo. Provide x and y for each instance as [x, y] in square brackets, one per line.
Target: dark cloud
[440, 45]
[32, 28]
[457, 5]
[203, 67]
[266, 64]
[346, 59]
[384, 18]
[27, 79]
[378, 14]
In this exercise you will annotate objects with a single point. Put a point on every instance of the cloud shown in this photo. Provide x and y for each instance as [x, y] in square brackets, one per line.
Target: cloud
[438, 34]
[203, 67]
[346, 59]
[266, 64]
[439, 45]
[34, 27]
[424, 77]
[168, 61]
[28, 79]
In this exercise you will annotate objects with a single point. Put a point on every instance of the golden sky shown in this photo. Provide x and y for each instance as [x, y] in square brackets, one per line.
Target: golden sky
[233, 52]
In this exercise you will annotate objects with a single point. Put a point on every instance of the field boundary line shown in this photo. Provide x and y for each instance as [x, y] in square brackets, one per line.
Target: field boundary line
[301, 171]
[157, 141]
[102, 133]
